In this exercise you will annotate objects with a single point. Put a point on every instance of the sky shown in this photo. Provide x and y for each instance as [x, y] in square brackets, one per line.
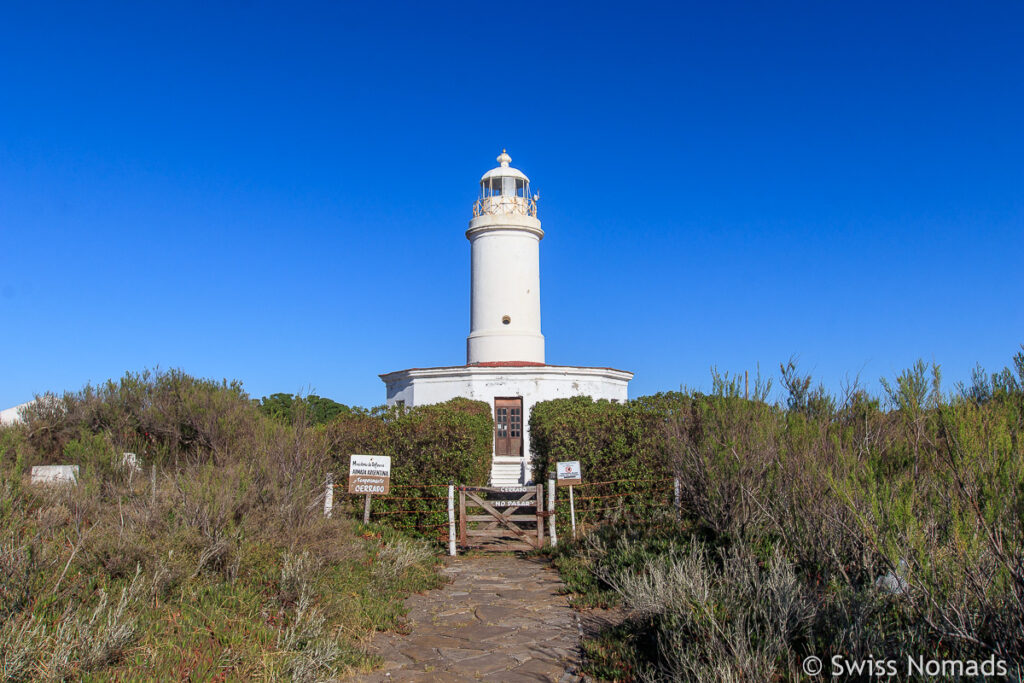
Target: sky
[278, 192]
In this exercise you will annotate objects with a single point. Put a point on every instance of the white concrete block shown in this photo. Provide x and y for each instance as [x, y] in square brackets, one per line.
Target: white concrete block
[55, 474]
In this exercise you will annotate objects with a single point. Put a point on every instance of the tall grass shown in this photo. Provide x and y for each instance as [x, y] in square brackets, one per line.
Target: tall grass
[219, 567]
[880, 527]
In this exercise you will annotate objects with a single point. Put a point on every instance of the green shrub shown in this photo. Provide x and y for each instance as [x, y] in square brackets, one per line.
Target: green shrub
[311, 409]
[621, 450]
[611, 440]
[430, 446]
[164, 416]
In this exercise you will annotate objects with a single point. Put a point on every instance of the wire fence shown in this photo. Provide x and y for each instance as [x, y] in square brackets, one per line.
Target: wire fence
[590, 504]
[427, 510]
[420, 509]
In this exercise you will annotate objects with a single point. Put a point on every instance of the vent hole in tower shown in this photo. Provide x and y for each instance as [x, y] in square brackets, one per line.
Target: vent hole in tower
[505, 320]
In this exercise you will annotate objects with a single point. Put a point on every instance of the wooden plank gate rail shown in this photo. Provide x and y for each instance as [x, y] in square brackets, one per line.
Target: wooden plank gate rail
[511, 518]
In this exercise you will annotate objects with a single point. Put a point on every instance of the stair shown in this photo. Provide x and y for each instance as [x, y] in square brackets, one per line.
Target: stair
[507, 472]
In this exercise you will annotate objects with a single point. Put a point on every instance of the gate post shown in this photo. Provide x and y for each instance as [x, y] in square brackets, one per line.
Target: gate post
[451, 519]
[551, 513]
[462, 516]
[540, 516]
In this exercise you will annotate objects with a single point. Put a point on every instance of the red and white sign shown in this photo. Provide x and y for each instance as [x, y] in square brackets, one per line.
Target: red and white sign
[569, 473]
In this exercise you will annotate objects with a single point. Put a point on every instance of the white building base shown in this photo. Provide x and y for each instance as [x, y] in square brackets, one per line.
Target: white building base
[532, 382]
[12, 416]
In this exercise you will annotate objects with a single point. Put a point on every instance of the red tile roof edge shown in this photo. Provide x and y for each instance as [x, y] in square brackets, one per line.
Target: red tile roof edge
[509, 364]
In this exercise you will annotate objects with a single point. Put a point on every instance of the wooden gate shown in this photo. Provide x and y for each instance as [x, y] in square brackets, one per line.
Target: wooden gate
[501, 518]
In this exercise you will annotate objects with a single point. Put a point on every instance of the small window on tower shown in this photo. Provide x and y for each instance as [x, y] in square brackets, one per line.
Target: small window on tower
[505, 320]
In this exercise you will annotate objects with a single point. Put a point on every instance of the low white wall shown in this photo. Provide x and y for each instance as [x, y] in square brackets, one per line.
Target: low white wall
[12, 416]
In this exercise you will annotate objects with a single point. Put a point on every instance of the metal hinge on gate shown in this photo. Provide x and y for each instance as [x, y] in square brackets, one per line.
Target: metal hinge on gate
[546, 513]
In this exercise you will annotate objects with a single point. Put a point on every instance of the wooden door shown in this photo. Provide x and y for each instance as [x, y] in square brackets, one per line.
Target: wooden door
[508, 426]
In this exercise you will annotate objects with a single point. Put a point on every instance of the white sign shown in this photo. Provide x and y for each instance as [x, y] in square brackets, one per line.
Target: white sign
[569, 473]
[369, 474]
[372, 465]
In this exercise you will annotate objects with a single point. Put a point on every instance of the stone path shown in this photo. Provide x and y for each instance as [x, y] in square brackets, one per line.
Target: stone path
[502, 618]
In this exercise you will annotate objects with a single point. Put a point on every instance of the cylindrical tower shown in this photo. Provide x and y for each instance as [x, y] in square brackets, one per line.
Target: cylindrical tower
[505, 291]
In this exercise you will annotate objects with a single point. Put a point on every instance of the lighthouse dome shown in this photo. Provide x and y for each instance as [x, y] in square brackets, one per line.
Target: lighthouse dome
[504, 169]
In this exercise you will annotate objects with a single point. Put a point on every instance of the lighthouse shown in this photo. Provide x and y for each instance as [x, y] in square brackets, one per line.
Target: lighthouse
[505, 235]
[505, 362]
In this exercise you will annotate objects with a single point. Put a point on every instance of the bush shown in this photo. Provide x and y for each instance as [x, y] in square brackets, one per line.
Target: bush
[432, 444]
[611, 440]
[620, 448]
[721, 618]
[312, 409]
[168, 416]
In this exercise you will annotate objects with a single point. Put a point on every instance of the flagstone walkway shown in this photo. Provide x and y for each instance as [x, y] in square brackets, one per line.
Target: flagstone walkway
[502, 618]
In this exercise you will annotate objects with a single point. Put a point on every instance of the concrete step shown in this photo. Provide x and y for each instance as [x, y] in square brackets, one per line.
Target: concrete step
[506, 474]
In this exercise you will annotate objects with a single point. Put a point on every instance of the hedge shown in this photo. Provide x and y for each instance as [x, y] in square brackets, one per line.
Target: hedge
[611, 440]
[621, 443]
[433, 444]
[430, 447]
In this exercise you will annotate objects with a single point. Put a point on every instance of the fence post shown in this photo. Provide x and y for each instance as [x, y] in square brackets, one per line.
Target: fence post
[328, 495]
[152, 485]
[678, 504]
[366, 509]
[572, 512]
[551, 512]
[451, 519]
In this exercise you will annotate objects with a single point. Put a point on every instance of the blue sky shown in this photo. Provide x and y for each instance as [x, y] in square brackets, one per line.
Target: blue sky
[278, 192]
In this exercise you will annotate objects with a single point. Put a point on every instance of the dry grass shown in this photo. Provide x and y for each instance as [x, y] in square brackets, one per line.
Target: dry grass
[812, 503]
[219, 567]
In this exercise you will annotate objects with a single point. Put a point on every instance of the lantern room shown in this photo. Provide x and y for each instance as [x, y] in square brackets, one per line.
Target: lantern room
[505, 190]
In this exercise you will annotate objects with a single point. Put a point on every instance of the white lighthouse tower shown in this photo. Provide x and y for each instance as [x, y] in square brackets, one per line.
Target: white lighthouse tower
[504, 320]
[505, 363]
